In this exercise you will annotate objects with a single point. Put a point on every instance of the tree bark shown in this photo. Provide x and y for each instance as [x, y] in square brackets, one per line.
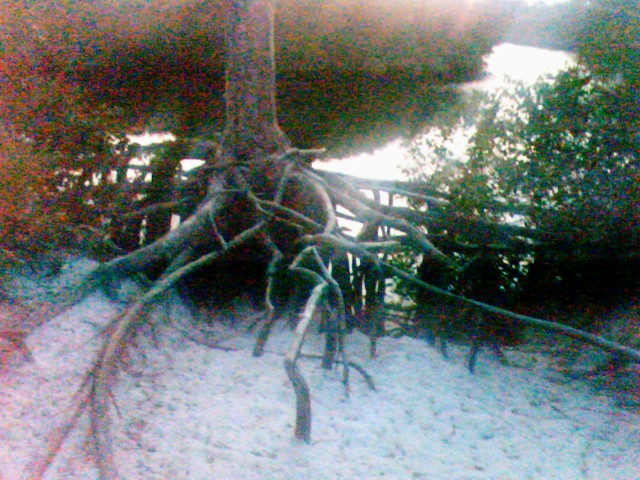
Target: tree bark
[251, 127]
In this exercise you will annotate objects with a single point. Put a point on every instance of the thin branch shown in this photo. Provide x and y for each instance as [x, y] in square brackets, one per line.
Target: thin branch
[172, 206]
[341, 327]
[367, 214]
[321, 192]
[270, 320]
[37, 467]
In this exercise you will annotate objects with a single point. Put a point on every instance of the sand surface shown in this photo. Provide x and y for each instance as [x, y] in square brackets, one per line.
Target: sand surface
[189, 411]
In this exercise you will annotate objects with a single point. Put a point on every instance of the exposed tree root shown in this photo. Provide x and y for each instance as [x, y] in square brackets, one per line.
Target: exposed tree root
[300, 386]
[39, 465]
[290, 210]
[95, 390]
[595, 340]
[357, 367]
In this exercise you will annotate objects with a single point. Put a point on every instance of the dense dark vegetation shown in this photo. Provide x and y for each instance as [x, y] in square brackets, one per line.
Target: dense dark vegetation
[560, 157]
[162, 63]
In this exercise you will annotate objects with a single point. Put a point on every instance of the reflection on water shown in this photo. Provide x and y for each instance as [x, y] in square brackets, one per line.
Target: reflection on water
[507, 61]
[520, 63]
[353, 112]
[364, 120]
[381, 164]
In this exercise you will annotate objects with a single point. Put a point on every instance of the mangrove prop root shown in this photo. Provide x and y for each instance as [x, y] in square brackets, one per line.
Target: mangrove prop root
[176, 251]
[299, 384]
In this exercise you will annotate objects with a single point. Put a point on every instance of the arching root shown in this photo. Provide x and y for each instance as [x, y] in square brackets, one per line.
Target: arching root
[317, 254]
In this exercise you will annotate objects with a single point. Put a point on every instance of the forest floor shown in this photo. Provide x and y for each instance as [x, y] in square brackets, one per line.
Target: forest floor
[189, 411]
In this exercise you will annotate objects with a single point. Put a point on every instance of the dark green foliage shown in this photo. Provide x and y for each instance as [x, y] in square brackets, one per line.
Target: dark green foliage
[609, 40]
[561, 156]
[162, 63]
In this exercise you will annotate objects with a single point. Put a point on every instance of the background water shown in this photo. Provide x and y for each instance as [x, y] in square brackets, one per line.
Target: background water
[506, 62]
[366, 126]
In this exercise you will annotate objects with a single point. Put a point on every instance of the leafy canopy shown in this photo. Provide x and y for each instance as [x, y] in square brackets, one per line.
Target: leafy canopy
[561, 154]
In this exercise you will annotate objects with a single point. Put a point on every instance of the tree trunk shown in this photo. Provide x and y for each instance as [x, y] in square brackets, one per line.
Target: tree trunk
[251, 127]
[252, 144]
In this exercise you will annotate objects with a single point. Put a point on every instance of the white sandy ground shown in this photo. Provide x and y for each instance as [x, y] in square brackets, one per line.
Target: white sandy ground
[187, 411]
